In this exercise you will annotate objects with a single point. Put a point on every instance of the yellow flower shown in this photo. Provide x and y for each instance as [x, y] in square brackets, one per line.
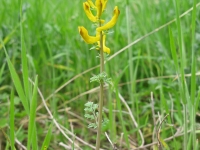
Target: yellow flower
[98, 4]
[105, 48]
[104, 2]
[112, 22]
[91, 4]
[87, 38]
[86, 7]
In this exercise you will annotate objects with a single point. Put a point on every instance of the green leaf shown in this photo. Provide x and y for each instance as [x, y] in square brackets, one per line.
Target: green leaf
[24, 57]
[193, 77]
[32, 114]
[17, 83]
[173, 50]
[92, 125]
[47, 139]
[1, 72]
[34, 138]
[3, 122]
[88, 116]
[89, 104]
[12, 120]
[95, 106]
[164, 144]
[88, 109]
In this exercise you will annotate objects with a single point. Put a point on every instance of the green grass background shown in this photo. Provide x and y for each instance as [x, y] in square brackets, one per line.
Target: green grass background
[50, 43]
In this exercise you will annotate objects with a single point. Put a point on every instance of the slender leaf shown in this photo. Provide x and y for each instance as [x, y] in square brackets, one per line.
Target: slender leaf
[12, 120]
[34, 138]
[1, 72]
[47, 139]
[193, 78]
[173, 50]
[17, 83]
[24, 58]
[32, 114]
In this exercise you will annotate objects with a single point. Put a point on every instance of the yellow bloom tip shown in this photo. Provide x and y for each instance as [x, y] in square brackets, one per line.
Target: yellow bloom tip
[91, 17]
[91, 4]
[107, 50]
[98, 4]
[112, 22]
[116, 10]
[104, 2]
[87, 38]
[80, 29]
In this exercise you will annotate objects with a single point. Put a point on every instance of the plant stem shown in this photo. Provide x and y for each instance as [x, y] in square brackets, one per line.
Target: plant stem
[185, 127]
[193, 127]
[98, 139]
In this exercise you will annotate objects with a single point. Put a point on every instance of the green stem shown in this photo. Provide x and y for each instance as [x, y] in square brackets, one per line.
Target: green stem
[185, 127]
[98, 140]
[193, 127]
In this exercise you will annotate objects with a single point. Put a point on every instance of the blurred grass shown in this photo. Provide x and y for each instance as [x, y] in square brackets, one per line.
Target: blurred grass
[12, 121]
[56, 53]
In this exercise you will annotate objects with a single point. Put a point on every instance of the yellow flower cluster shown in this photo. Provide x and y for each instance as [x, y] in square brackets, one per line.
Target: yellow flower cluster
[99, 6]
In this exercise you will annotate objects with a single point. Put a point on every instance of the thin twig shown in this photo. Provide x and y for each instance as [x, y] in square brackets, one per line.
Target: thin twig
[116, 111]
[132, 118]
[121, 140]
[96, 89]
[152, 109]
[160, 77]
[158, 131]
[109, 140]
[172, 107]
[74, 115]
[154, 118]
[20, 144]
[65, 146]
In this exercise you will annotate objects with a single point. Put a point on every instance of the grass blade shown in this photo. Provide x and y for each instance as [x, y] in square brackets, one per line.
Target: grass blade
[24, 58]
[12, 120]
[182, 85]
[119, 107]
[173, 50]
[33, 107]
[1, 72]
[193, 79]
[182, 54]
[17, 82]
[47, 139]
[34, 138]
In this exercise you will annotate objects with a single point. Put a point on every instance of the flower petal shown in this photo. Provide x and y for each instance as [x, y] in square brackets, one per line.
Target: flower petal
[112, 22]
[87, 38]
[98, 4]
[105, 48]
[91, 4]
[104, 2]
[86, 7]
